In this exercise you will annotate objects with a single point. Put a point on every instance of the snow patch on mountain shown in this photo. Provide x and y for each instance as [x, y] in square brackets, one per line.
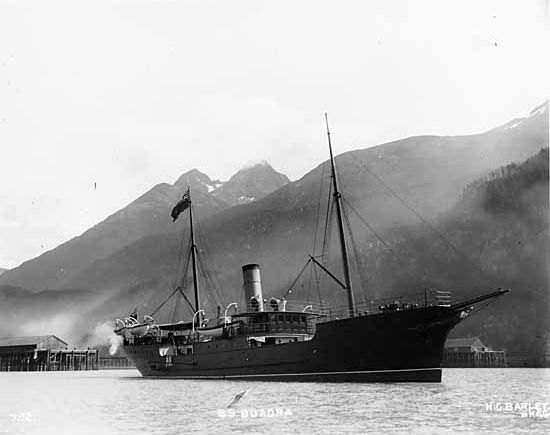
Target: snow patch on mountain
[214, 186]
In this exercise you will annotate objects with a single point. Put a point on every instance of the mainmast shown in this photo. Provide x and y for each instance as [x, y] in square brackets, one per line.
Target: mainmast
[194, 257]
[343, 246]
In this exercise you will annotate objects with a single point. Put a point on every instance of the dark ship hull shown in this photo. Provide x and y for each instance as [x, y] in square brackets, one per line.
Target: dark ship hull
[400, 346]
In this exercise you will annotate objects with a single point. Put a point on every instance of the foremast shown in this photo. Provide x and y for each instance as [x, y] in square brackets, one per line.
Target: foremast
[194, 258]
[343, 246]
[184, 204]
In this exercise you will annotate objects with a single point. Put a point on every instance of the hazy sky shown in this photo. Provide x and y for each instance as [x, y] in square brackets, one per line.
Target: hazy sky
[123, 95]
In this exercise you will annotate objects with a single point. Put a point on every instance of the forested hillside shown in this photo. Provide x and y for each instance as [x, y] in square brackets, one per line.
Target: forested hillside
[496, 236]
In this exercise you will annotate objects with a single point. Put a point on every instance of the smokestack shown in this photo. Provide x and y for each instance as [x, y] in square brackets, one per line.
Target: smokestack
[252, 284]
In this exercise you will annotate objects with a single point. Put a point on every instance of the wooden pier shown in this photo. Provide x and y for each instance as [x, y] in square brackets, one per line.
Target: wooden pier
[471, 352]
[44, 353]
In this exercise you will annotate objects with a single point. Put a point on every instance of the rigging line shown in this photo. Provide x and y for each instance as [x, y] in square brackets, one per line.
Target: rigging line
[180, 254]
[187, 261]
[317, 285]
[308, 287]
[395, 254]
[176, 309]
[368, 226]
[325, 255]
[297, 278]
[176, 288]
[182, 292]
[482, 307]
[328, 222]
[313, 275]
[208, 265]
[214, 280]
[438, 233]
[164, 302]
[201, 277]
[328, 272]
[358, 263]
[209, 281]
[316, 233]
[191, 307]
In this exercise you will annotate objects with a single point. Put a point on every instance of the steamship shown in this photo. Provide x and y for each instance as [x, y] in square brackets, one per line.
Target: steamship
[276, 339]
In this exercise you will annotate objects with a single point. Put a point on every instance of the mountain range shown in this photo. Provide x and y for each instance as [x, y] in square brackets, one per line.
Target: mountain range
[132, 258]
[147, 215]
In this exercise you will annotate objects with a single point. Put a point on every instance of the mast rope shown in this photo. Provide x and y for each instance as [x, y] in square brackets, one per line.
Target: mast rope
[483, 273]
[327, 232]
[209, 281]
[180, 254]
[372, 230]
[205, 264]
[482, 307]
[191, 307]
[362, 279]
[395, 254]
[328, 227]
[296, 279]
[181, 240]
[318, 219]
[313, 274]
[178, 288]
[164, 302]
[175, 312]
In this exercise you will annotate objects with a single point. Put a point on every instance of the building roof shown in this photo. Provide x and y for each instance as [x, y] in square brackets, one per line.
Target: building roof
[464, 342]
[28, 341]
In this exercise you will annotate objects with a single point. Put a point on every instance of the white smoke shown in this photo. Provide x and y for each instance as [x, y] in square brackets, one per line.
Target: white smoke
[103, 334]
[68, 328]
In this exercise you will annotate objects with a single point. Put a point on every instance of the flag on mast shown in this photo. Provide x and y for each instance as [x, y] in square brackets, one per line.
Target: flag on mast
[181, 206]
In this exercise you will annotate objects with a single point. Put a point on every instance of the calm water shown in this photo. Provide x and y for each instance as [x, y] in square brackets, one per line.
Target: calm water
[121, 402]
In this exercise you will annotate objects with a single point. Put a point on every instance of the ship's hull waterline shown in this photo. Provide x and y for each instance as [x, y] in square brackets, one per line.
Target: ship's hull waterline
[401, 346]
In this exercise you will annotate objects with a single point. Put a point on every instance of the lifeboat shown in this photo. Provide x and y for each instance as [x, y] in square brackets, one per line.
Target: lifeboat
[216, 331]
[213, 331]
[138, 330]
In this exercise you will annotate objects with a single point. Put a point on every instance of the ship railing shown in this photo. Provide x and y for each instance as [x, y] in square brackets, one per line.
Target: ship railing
[274, 328]
[298, 306]
[413, 301]
[442, 298]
